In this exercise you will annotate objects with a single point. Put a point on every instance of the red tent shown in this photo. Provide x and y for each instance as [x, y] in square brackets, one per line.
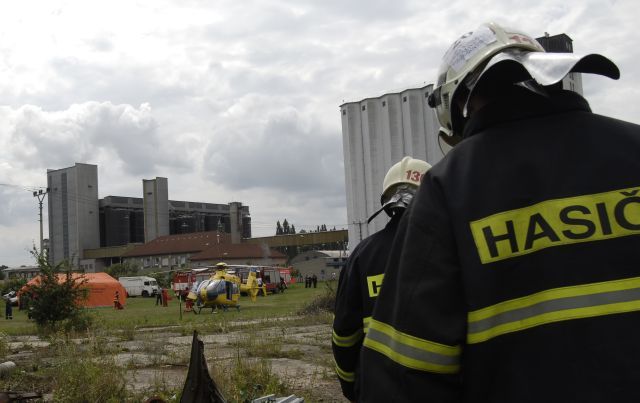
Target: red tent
[102, 288]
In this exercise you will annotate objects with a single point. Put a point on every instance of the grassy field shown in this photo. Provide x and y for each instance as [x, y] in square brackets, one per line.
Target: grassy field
[142, 341]
[141, 312]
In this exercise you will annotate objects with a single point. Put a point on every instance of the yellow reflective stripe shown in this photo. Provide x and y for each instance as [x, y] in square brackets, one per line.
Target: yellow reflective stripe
[560, 304]
[347, 341]
[411, 351]
[365, 323]
[344, 375]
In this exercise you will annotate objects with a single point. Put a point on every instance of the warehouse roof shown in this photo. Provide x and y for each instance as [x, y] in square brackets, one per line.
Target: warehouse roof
[180, 243]
[237, 251]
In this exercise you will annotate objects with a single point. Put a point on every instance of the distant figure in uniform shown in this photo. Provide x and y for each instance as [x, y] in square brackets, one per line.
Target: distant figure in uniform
[361, 279]
[165, 297]
[314, 280]
[8, 310]
[116, 301]
[159, 297]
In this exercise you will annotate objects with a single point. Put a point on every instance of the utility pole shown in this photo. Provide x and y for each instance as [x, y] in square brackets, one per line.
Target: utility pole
[359, 228]
[40, 195]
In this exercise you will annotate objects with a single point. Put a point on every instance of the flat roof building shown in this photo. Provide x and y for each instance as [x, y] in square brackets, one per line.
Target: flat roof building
[79, 221]
[74, 223]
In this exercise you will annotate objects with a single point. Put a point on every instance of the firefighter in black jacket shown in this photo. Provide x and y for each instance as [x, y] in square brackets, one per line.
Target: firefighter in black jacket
[361, 279]
[515, 270]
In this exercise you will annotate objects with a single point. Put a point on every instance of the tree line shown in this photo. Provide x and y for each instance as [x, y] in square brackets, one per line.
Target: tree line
[285, 228]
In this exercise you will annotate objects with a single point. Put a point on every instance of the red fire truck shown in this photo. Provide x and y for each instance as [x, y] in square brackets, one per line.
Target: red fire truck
[183, 281]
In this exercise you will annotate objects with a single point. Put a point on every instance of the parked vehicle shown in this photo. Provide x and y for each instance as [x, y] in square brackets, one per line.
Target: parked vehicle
[139, 286]
[270, 276]
[184, 281]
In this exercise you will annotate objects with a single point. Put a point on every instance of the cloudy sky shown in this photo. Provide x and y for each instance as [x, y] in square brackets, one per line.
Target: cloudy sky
[238, 100]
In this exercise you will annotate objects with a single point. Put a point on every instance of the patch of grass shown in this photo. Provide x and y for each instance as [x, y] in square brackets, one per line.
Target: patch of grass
[82, 379]
[263, 332]
[243, 380]
[324, 302]
[4, 345]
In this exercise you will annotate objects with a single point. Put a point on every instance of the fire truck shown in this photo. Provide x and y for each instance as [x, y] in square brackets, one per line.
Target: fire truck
[183, 281]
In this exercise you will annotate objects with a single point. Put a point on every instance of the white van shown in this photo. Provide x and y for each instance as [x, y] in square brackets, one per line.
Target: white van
[139, 286]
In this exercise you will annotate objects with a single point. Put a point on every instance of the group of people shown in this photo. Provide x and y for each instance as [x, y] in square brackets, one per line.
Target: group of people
[311, 281]
[510, 267]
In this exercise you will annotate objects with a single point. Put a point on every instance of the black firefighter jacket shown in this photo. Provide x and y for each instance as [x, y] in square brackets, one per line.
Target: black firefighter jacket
[358, 288]
[515, 274]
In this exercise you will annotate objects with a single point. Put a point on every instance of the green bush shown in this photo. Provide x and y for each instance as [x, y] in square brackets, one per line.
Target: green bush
[79, 321]
[58, 295]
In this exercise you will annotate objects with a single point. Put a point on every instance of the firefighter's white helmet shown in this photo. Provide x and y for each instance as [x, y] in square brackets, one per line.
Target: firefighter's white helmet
[408, 170]
[463, 57]
[475, 53]
[400, 184]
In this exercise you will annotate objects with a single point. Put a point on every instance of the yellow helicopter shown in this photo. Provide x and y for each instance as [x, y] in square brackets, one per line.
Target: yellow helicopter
[222, 290]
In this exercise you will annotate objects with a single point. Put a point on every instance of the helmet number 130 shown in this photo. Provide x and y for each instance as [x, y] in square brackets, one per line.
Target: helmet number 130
[414, 176]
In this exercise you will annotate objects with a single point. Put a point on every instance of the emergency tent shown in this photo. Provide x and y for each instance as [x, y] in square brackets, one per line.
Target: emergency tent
[102, 288]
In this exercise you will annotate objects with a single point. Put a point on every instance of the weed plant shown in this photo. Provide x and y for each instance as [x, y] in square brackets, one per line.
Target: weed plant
[4, 345]
[244, 380]
[82, 379]
[325, 302]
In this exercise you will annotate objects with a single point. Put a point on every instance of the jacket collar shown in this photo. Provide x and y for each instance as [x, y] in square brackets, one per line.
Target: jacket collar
[522, 104]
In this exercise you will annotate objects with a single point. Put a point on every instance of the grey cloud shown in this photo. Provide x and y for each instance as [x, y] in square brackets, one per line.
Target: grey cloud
[15, 204]
[101, 44]
[285, 154]
[39, 139]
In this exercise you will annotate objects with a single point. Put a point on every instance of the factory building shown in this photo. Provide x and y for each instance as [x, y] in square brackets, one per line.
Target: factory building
[377, 133]
[74, 223]
[79, 221]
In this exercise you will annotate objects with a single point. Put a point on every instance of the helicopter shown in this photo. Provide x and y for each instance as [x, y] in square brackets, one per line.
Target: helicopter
[222, 290]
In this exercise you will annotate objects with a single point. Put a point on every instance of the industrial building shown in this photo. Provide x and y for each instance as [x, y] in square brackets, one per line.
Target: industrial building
[377, 132]
[79, 221]
[74, 223]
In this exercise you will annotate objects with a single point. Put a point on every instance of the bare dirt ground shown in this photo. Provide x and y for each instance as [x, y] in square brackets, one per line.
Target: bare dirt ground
[300, 355]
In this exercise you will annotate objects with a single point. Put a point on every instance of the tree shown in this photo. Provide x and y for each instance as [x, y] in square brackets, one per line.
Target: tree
[2, 271]
[122, 269]
[285, 226]
[58, 295]
[293, 229]
[278, 228]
